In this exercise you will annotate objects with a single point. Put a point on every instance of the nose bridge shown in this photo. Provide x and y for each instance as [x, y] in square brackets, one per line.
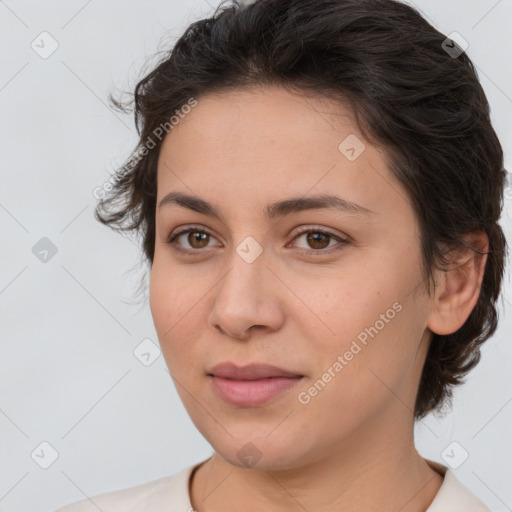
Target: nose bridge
[247, 270]
[244, 297]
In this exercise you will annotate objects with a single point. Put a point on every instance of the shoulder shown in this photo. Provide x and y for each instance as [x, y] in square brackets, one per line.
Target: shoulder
[453, 496]
[170, 491]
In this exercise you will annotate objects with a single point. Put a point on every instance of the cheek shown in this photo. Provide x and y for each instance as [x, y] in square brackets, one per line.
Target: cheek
[367, 379]
[162, 301]
[342, 309]
[373, 326]
[171, 307]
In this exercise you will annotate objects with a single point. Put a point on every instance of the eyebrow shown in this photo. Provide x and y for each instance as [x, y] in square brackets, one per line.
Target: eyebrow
[277, 209]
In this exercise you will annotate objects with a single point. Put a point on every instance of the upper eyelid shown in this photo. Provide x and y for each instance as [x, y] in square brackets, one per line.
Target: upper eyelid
[187, 229]
[300, 232]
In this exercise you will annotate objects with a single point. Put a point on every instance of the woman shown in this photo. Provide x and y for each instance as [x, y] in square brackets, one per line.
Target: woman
[318, 187]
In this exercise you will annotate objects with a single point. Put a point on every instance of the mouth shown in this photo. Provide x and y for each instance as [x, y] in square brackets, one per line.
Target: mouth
[251, 385]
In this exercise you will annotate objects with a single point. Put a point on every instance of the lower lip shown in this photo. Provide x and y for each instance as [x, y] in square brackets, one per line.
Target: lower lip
[249, 393]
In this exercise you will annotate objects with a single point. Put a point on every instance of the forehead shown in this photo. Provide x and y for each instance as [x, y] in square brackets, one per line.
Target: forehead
[270, 115]
[251, 146]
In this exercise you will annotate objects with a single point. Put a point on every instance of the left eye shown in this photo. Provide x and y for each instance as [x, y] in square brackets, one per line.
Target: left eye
[318, 239]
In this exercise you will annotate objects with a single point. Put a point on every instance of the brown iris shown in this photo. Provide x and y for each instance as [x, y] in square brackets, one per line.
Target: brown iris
[315, 238]
[199, 237]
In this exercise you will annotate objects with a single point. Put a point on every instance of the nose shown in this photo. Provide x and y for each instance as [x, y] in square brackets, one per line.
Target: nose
[248, 298]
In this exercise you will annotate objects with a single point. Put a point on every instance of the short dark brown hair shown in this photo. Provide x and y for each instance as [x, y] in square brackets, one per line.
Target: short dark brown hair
[422, 103]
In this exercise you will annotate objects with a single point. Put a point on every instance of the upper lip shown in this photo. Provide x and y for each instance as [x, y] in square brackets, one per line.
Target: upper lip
[249, 372]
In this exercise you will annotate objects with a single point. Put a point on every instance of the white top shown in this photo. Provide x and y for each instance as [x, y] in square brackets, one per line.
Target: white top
[171, 494]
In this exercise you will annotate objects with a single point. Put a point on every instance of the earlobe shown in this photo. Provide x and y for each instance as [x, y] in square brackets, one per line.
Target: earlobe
[459, 285]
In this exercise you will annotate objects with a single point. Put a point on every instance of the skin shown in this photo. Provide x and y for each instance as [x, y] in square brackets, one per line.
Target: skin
[351, 447]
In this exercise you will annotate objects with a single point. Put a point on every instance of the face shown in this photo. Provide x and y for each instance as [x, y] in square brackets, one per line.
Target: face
[329, 294]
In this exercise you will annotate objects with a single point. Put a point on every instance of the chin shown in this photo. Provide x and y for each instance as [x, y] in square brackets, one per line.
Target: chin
[264, 453]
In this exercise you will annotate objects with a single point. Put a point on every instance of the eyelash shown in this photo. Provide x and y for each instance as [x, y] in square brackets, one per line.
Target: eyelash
[318, 252]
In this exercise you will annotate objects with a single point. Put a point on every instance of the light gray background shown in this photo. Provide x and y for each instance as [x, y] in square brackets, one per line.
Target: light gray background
[69, 376]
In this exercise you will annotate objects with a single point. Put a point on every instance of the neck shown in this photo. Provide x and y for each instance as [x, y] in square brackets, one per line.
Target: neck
[370, 471]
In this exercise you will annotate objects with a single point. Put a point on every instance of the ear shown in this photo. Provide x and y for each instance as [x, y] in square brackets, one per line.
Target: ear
[459, 285]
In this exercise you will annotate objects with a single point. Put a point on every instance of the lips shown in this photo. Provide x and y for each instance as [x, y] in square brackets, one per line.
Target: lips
[251, 385]
[249, 372]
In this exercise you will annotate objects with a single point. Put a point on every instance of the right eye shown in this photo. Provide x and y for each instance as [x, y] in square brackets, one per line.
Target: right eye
[197, 238]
